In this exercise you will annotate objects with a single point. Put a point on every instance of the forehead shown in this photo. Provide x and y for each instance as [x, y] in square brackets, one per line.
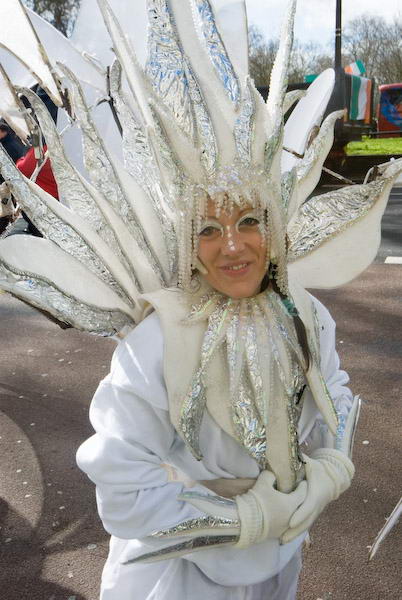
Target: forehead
[222, 215]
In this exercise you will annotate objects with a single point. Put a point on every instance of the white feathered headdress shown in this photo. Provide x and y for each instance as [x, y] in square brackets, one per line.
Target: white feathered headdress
[193, 127]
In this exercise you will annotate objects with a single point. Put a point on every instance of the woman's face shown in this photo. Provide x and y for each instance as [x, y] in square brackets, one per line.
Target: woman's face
[233, 251]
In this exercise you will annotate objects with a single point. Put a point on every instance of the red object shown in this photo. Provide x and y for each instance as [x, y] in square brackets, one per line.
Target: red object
[45, 179]
[390, 109]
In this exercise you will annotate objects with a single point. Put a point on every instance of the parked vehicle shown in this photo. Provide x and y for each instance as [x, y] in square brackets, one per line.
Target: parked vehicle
[389, 112]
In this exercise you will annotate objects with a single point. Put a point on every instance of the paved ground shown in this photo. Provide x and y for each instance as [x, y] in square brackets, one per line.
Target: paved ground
[52, 546]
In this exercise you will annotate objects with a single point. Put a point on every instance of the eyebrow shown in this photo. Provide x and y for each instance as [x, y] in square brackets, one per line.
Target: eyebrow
[243, 212]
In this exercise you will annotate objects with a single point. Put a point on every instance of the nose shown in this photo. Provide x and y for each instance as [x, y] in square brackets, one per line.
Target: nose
[232, 241]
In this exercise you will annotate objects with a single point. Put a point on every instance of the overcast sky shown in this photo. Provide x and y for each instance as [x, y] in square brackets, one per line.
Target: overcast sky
[315, 19]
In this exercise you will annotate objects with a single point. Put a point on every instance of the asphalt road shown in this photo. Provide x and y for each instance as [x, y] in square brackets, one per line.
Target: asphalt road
[52, 545]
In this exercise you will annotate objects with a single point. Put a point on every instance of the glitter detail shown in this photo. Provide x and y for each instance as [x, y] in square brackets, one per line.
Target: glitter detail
[192, 413]
[105, 178]
[247, 422]
[43, 294]
[248, 425]
[175, 83]
[217, 51]
[244, 126]
[55, 228]
[197, 525]
[289, 179]
[258, 338]
[73, 189]
[194, 403]
[166, 66]
[315, 346]
[323, 217]
[166, 154]
[272, 146]
[328, 396]
[140, 163]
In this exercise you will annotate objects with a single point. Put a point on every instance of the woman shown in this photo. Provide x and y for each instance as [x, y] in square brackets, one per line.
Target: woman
[203, 479]
[135, 438]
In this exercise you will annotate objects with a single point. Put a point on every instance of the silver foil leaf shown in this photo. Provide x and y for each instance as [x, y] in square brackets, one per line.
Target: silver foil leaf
[166, 66]
[74, 192]
[244, 126]
[56, 229]
[175, 83]
[194, 403]
[138, 156]
[167, 156]
[43, 294]
[272, 146]
[288, 182]
[257, 335]
[217, 51]
[104, 176]
[248, 425]
[192, 413]
[323, 217]
[140, 162]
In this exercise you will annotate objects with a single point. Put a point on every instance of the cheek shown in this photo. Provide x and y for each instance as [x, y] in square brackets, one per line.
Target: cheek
[206, 251]
[259, 246]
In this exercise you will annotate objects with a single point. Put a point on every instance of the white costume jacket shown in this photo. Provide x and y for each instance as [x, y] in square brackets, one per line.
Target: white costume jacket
[125, 458]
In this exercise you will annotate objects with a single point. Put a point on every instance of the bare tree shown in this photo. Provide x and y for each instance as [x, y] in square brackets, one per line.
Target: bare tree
[306, 58]
[377, 44]
[60, 13]
[261, 55]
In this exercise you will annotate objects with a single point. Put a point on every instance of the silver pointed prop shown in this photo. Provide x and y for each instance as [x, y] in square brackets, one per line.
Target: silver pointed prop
[187, 547]
[219, 526]
[386, 529]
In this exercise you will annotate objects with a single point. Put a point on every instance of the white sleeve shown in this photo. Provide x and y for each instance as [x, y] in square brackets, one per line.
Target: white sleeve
[133, 436]
[335, 378]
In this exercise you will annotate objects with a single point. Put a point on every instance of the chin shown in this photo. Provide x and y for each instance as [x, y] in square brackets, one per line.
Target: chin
[235, 289]
[239, 292]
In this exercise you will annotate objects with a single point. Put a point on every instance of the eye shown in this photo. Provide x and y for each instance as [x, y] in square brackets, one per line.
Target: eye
[210, 231]
[248, 222]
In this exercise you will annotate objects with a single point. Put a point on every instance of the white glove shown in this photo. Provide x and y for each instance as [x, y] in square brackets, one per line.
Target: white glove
[259, 514]
[264, 512]
[329, 472]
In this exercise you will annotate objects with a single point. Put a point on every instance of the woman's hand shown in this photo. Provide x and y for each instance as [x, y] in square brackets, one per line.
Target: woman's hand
[265, 512]
[329, 472]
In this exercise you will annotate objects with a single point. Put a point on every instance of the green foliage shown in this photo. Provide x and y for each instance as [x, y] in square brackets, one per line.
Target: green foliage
[392, 145]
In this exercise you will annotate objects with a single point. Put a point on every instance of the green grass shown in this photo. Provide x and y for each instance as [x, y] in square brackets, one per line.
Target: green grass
[375, 146]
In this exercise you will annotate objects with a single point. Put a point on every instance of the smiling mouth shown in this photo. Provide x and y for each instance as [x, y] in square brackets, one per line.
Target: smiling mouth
[236, 269]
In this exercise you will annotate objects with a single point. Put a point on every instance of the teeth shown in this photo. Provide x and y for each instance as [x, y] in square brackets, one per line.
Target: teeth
[237, 267]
